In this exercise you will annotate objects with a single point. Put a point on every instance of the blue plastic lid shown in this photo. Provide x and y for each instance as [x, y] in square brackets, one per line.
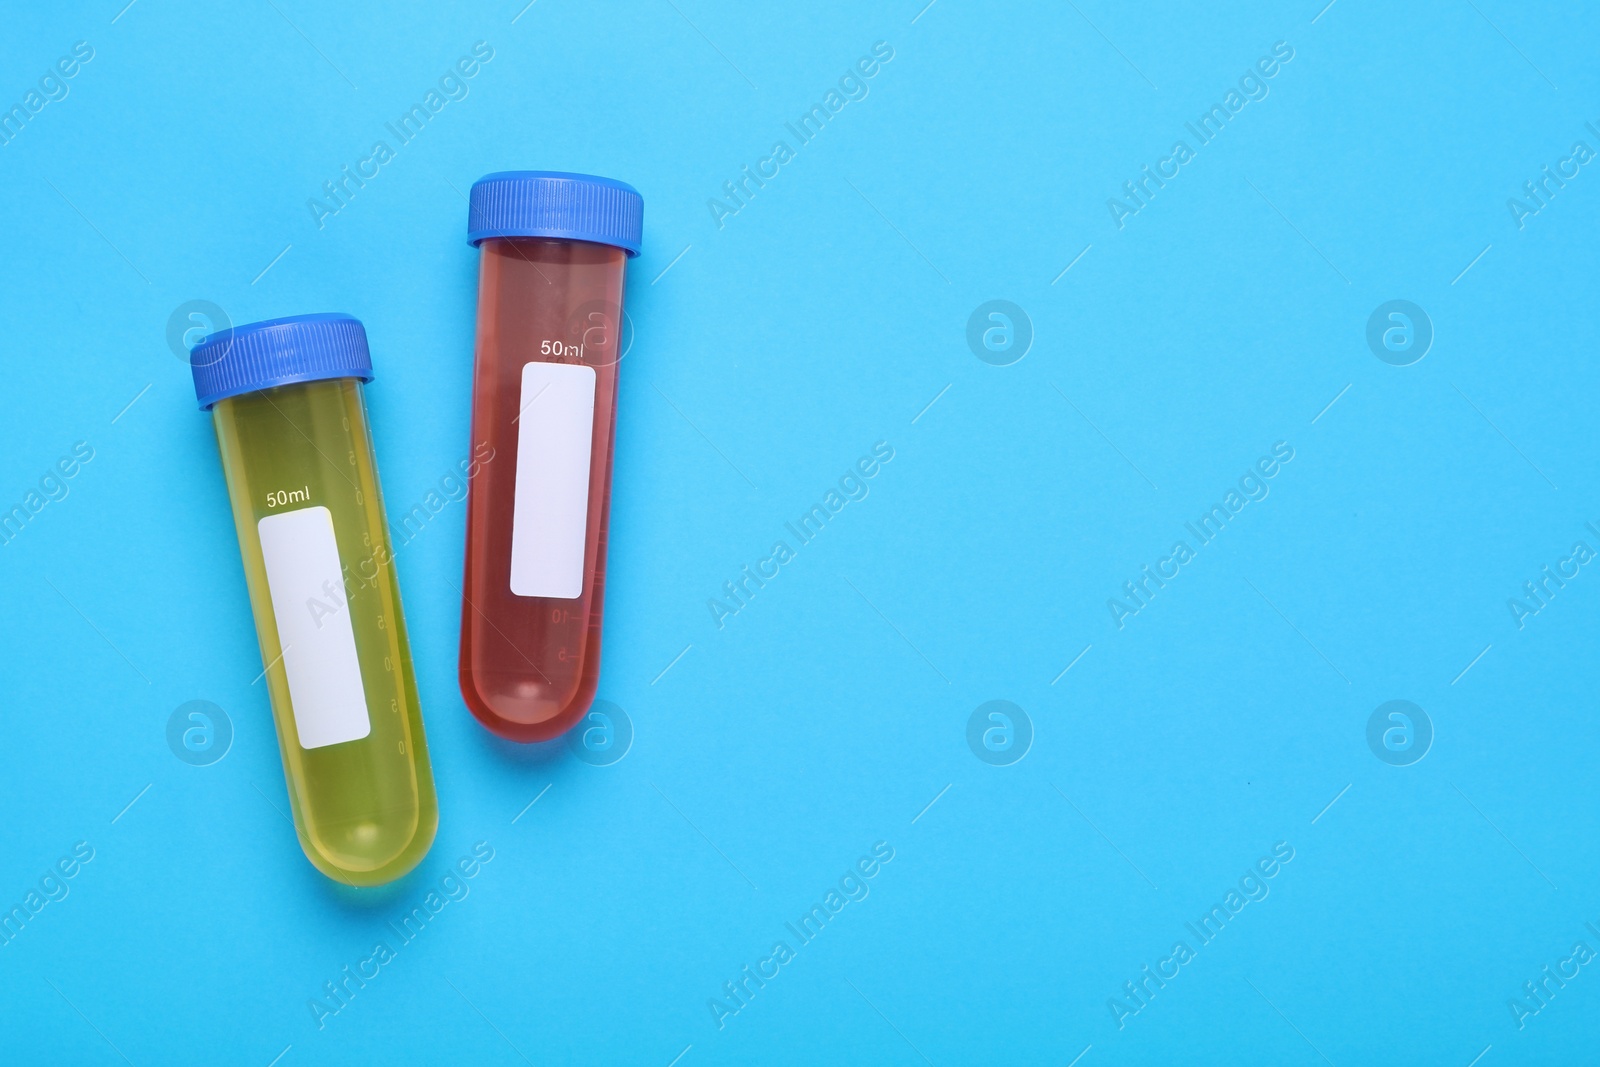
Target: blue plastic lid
[300, 348]
[549, 203]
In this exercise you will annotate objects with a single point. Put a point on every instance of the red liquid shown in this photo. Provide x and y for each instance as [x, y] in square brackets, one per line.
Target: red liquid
[530, 665]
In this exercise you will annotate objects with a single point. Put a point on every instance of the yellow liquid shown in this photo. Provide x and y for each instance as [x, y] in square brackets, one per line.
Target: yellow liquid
[364, 810]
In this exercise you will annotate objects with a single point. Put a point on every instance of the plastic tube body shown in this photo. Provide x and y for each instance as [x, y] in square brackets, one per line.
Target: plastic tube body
[317, 561]
[549, 339]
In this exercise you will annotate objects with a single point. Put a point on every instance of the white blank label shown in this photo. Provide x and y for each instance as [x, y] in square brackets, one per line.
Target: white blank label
[549, 516]
[319, 648]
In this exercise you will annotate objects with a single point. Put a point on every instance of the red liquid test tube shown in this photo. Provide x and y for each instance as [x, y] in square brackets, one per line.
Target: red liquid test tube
[553, 251]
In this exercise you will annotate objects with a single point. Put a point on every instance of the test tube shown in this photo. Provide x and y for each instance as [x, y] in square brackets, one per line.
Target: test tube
[286, 400]
[552, 253]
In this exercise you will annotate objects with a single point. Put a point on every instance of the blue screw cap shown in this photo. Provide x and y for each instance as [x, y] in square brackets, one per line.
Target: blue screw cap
[549, 203]
[300, 348]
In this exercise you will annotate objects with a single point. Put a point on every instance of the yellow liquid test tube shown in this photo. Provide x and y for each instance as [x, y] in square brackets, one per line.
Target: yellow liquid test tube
[286, 400]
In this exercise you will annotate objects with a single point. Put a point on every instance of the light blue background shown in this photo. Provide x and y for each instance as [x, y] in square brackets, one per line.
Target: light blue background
[822, 318]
